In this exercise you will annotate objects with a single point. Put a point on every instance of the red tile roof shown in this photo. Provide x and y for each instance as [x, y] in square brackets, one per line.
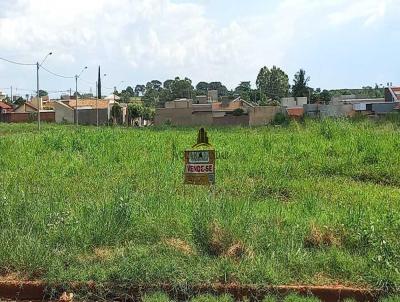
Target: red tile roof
[5, 106]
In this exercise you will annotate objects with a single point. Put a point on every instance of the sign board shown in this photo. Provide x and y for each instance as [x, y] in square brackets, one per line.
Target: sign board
[200, 162]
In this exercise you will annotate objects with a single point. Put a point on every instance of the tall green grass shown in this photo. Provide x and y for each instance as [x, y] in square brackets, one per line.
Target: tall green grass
[312, 203]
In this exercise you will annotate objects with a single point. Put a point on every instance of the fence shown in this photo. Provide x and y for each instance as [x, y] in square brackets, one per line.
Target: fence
[27, 117]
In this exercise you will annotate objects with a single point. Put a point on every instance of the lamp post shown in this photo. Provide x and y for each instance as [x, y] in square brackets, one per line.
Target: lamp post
[37, 86]
[76, 95]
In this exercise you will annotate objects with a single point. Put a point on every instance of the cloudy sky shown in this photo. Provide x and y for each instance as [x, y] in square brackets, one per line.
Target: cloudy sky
[340, 43]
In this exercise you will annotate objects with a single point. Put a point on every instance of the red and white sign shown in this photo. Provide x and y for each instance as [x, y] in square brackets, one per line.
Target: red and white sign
[199, 168]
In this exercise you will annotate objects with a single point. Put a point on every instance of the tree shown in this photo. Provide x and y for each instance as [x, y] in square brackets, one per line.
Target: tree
[154, 84]
[43, 93]
[181, 88]
[116, 113]
[202, 88]
[273, 83]
[129, 90]
[244, 90]
[167, 84]
[140, 90]
[19, 101]
[325, 96]
[222, 90]
[300, 88]
[134, 112]
[148, 114]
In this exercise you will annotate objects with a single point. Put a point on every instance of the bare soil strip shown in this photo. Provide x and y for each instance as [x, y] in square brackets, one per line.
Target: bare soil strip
[40, 291]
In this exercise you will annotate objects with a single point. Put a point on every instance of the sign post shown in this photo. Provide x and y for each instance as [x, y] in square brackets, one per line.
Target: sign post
[200, 162]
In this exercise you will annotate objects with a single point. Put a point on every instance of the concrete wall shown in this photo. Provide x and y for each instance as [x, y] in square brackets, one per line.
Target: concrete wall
[288, 102]
[201, 99]
[341, 110]
[258, 116]
[63, 113]
[301, 101]
[213, 95]
[262, 115]
[331, 110]
[201, 119]
[178, 117]
[26, 117]
[184, 103]
[230, 120]
[89, 117]
[294, 102]
[383, 107]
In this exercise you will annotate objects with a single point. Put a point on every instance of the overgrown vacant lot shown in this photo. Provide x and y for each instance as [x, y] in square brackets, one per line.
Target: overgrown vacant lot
[314, 203]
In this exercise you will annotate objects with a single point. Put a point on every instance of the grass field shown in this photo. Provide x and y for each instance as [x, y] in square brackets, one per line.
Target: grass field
[314, 203]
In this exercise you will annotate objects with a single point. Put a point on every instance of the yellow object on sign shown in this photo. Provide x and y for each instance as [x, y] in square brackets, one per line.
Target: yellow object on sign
[200, 162]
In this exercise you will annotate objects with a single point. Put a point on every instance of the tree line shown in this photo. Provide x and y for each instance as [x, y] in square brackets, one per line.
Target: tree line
[272, 84]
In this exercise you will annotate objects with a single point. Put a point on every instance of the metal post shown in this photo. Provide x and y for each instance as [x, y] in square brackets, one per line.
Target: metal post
[76, 100]
[97, 105]
[37, 94]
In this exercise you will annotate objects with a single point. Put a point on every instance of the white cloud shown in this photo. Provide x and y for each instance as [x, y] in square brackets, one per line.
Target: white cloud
[161, 37]
[369, 11]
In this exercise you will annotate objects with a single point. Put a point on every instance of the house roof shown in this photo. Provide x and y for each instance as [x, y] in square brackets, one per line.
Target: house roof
[230, 106]
[396, 91]
[93, 103]
[112, 97]
[26, 105]
[4, 105]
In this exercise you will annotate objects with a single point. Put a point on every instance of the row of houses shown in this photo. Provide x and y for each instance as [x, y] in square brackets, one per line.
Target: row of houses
[197, 112]
[202, 111]
[83, 111]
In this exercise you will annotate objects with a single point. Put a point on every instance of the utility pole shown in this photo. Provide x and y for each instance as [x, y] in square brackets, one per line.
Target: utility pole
[76, 100]
[11, 93]
[37, 93]
[97, 105]
[76, 95]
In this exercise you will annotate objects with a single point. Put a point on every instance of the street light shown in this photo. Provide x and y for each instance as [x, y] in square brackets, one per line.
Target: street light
[76, 94]
[37, 82]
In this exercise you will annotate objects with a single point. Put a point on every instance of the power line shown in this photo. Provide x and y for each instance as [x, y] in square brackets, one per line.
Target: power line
[88, 82]
[17, 63]
[55, 74]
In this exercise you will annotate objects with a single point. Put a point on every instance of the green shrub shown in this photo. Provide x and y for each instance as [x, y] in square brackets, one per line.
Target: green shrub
[280, 119]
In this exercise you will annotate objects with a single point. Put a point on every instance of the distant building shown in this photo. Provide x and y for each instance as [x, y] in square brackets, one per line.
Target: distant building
[90, 111]
[2, 96]
[392, 94]
[5, 107]
[184, 112]
[212, 95]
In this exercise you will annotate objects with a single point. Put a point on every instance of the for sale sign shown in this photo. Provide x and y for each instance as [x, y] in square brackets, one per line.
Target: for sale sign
[200, 162]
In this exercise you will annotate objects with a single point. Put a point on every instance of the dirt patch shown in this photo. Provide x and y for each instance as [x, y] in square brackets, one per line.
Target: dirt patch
[282, 194]
[180, 246]
[66, 297]
[383, 180]
[238, 251]
[39, 291]
[219, 242]
[320, 237]
[101, 254]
